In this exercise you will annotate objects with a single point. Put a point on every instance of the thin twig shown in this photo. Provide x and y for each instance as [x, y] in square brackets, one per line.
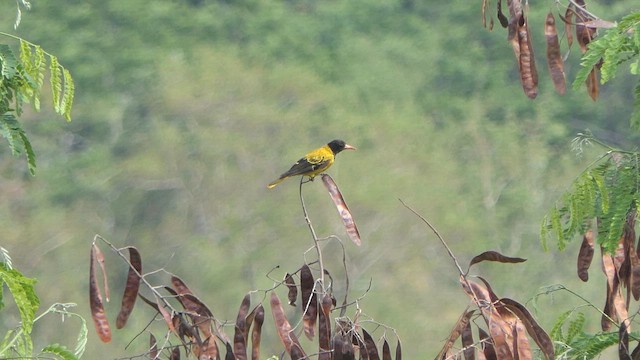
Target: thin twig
[313, 234]
[455, 260]
[583, 9]
[141, 276]
[463, 274]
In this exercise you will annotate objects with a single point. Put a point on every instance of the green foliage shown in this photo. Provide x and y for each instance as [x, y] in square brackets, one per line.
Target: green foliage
[607, 191]
[618, 45]
[23, 292]
[577, 344]
[17, 342]
[59, 352]
[17, 138]
[22, 81]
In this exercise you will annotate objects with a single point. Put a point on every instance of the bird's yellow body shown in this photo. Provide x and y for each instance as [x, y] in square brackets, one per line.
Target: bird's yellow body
[315, 162]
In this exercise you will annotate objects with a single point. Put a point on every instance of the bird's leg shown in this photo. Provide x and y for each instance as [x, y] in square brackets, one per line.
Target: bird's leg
[310, 179]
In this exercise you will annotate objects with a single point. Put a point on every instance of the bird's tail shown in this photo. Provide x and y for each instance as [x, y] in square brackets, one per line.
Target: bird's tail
[276, 182]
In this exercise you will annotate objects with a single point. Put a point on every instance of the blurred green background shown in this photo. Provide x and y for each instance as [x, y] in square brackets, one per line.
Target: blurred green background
[185, 110]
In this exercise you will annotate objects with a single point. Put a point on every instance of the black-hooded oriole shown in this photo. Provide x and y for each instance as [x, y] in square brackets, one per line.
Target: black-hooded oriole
[314, 162]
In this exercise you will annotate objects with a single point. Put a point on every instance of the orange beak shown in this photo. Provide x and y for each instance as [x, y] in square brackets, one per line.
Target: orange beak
[349, 147]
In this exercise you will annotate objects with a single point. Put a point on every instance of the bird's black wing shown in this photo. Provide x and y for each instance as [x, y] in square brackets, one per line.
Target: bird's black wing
[303, 167]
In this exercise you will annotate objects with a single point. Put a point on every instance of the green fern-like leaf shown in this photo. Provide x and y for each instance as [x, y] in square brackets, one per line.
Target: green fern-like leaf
[56, 82]
[17, 139]
[556, 331]
[81, 341]
[635, 115]
[35, 65]
[607, 191]
[576, 327]
[9, 66]
[60, 351]
[25, 55]
[20, 346]
[623, 188]
[6, 259]
[602, 192]
[28, 149]
[67, 96]
[23, 292]
[544, 232]
[10, 127]
[556, 223]
[8, 337]
[589, 346]
[616, 46]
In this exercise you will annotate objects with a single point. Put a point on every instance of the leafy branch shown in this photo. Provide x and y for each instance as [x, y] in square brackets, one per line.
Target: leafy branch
[618, 45]
[22, 80]
[18, 343]
[601, 197]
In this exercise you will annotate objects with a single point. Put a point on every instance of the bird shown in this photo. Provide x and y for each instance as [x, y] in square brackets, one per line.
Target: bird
[314, 162]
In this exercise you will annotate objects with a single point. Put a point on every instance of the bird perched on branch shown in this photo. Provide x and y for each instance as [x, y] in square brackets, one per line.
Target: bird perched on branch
[314, 162]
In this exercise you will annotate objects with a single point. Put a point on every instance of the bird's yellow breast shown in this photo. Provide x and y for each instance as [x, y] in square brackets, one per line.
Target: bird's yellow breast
[323, 157]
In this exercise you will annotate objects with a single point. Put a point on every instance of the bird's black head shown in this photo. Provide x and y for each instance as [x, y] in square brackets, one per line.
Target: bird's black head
[338, 145]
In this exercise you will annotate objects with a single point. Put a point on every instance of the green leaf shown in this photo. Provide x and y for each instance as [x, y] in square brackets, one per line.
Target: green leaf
[67, 96]
[544, 232]
[9, 66]
[24, 295]
[635, 116]
[31, 155]
[17, 139]
[556, 331]
[575, 327]
[56, 82]
[61, 351]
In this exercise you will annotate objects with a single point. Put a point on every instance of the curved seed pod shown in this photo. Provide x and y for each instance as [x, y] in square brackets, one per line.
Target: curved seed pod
[455, 333]
[309, 301]
[584, 34]
[166, 316]
[131, 288]
[536, 332]
[95, 301]
[504, 22]
[370, 346]
[487, 347]
[240, 337]
[153, 347]
[554, 58]
[175, 354]
[258, 320]
[498, 320]
[568, 22]
[293, 289]
[398, 351]
[341, 347]
[528, 72]
[585, 255]
[386, 350]
[324, 328]
[623, 343]
[287, 336]
[343, 209]
[495, 256]
[484, 13]
[467, 343]
[229, 355]
[179, 285]
[592, 84]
